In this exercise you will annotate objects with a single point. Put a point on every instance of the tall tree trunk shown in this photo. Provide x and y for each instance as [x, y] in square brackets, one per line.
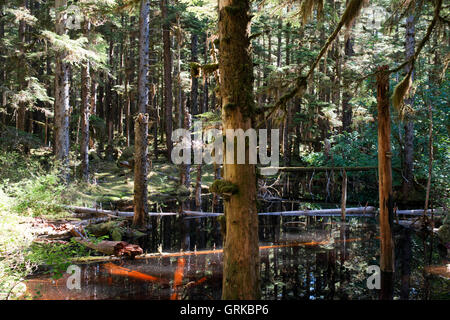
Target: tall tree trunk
[280, 28]
[408, 158]
[85, 111]
[205, 80]
[186, 180]
[93, 104]
[347, 96]
[430, 158]
[241, 275]
[61, 93]
[2, 61]
[109, 108]
[141, 126]
[177, 74]
[22, 110]
[168, 99]
[385, 182]
[127, 93]
[288, 118]
[194, 84]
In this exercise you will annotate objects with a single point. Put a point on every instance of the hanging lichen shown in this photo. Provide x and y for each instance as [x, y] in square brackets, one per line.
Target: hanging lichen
[400, 92]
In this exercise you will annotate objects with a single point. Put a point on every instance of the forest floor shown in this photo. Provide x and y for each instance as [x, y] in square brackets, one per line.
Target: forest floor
[113, 185]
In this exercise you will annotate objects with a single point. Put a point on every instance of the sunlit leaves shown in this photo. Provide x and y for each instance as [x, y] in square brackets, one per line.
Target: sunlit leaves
[75, 49]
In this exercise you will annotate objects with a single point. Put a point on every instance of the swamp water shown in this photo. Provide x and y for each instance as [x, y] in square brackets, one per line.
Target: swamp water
[301, 258]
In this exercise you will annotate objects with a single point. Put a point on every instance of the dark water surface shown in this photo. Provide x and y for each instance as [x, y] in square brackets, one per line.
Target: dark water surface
[301, 258]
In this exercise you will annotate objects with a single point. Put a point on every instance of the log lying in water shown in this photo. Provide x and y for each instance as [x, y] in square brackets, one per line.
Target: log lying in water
[215, 251]
[360, 212]
[350, 212]
[114, 212]
[419, 212]
[121, 271]
[116, 248]
[316, 169]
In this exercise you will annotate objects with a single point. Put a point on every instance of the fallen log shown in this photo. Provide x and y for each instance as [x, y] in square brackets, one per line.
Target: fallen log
[213, 251]
[121, 271]
[116, 213]
[88, 222]
[178, 279]
[419, 212]
[315, 169]
[116, 248]
[351, 212]
[360, 212]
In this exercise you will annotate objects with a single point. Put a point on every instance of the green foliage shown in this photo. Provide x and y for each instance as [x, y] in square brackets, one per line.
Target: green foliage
[15, 237]
[347, 149]
[76, 51]
[38, 197]
[33, 93]
[56, 256]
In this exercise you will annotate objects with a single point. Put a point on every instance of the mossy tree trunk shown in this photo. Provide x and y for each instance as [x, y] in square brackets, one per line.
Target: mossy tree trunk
[385, 182]
[141, 126]
[241, 278]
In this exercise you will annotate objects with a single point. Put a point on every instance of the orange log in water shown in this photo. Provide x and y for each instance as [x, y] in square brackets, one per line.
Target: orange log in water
[179, 272]
[284, 245]
[121, 271]
[178, 278]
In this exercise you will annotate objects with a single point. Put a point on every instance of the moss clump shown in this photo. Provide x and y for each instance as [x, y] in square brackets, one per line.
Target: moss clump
[195, 69]
[114, 229]
[224, 187]
[116, 234]
[210, 68]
